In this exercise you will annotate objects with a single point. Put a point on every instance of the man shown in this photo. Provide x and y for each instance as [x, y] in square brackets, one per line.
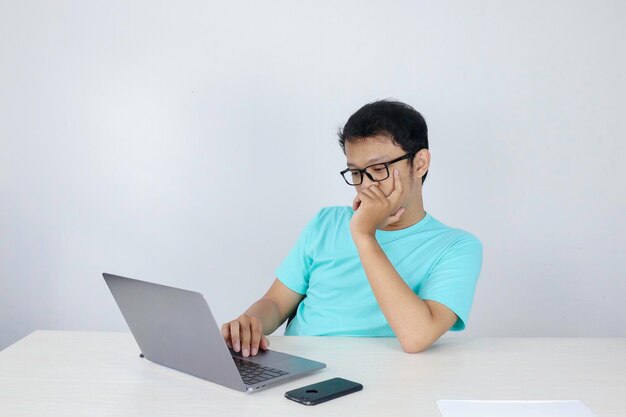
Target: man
[383, 267]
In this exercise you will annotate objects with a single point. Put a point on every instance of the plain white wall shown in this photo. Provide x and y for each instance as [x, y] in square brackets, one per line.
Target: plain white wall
[188, 143]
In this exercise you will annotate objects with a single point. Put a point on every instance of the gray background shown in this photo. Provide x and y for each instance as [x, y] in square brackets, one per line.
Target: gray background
[188, 143]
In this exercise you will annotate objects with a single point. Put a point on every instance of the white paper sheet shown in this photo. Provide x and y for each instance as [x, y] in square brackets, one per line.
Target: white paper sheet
[455, 408]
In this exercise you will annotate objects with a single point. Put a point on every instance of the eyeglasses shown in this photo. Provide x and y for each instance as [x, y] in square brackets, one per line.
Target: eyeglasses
[375, 172]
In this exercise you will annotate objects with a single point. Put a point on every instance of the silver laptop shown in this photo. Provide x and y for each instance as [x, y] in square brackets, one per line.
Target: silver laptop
[175, 328]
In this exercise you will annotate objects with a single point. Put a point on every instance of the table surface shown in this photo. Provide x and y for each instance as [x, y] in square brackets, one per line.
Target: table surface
[60, 373]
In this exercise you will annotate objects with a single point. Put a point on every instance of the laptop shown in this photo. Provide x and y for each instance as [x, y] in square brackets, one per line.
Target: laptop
[175, 328]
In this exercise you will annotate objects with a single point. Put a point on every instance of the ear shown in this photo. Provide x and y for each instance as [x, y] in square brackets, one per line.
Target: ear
[421, 163]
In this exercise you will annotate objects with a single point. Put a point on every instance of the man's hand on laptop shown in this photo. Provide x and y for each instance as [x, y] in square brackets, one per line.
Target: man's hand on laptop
[245, 334]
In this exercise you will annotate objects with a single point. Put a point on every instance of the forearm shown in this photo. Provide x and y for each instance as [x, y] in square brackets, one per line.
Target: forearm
[268, 314]
[408, 315]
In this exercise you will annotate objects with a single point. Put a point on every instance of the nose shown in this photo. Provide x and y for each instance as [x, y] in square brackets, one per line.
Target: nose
[367, 182]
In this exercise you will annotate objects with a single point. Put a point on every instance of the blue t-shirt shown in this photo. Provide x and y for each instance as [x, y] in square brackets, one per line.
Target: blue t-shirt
[437, 262]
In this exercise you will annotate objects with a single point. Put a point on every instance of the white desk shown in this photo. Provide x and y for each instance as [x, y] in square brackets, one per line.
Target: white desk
[51, 373]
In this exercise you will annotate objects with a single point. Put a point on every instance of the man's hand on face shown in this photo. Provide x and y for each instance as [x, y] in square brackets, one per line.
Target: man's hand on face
[375, 210]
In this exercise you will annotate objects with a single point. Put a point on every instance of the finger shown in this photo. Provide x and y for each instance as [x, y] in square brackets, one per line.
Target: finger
[396, 217]
[374, 194]
[367, 194]
[356, 203]
[265, 343]
[234, 335]
[245, 338]
[377, 192]
[226, 335]
[255, 338]
[397, 185]
[357, 200]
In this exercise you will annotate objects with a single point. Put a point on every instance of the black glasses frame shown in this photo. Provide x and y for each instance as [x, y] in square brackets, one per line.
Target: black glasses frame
[364, 170]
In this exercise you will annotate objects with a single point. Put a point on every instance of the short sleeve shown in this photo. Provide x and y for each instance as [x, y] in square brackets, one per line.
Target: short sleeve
[294, 271]
[452, 281]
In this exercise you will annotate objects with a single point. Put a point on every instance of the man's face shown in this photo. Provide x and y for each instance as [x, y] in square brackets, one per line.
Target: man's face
[376, 149]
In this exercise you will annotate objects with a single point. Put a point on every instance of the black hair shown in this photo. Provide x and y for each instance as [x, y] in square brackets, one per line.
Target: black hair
[402, 123]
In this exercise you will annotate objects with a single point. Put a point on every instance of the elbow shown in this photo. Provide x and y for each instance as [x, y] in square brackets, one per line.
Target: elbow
[415, 344]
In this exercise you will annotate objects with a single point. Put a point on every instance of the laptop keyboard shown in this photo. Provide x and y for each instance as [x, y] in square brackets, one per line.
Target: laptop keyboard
[253, 373]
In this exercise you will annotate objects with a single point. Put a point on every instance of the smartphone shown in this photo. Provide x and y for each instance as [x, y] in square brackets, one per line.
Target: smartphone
[323, 391]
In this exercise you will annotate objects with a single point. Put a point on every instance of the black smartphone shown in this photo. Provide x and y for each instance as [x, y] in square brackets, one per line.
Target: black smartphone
[323, 391]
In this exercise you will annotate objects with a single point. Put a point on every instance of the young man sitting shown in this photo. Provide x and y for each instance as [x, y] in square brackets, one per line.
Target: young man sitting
[381, 268]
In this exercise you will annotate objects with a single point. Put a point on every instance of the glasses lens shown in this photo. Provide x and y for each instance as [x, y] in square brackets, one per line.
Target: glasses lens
[352, 177]
[378, 172]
